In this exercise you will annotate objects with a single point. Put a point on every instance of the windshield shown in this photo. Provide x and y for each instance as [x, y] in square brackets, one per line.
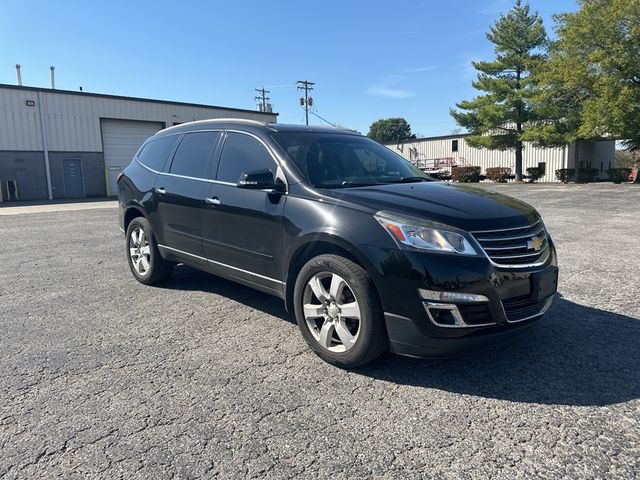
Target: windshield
[340, 161]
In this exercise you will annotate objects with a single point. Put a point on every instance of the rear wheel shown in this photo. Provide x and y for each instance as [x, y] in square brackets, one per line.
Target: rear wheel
[143, 255]
[338, 311]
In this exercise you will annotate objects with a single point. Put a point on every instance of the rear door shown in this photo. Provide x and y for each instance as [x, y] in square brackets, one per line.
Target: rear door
[243, 228]
[179, 194]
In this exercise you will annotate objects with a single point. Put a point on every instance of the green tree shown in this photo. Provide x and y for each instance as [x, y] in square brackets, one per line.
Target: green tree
[390, 130]
[499, 118]
[626, 159]
[591, 82]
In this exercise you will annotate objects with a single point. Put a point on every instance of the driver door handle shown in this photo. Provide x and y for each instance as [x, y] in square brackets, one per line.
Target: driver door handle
[160, 191]
[215, 201]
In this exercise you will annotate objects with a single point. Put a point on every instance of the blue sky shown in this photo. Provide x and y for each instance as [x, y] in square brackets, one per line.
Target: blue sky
[369, 59]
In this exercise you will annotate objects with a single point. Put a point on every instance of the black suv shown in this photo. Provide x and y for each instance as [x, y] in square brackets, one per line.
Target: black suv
[368, 251]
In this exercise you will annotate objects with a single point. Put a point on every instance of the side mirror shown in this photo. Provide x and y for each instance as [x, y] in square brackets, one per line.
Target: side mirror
[260, 180]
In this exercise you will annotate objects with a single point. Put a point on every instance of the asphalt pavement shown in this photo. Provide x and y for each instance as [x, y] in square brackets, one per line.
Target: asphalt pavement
[102, 377]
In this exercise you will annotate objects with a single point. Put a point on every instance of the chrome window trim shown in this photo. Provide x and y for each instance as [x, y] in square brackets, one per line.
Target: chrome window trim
[222, 264]
[151, 140]
[277, 160]
[166, 174]
[186, 177]
[273, 156]
[175, 150]
[544, 309]
[144, 166]
[264, 144]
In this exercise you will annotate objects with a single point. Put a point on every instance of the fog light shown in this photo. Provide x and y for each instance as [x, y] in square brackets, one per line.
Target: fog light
[444, 315]
[451, 296]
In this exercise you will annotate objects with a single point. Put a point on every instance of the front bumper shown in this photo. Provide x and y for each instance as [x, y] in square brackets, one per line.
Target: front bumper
[407, 340]
[511, 304]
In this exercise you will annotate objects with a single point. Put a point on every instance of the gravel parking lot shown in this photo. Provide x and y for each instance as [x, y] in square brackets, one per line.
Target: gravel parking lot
[102, 377]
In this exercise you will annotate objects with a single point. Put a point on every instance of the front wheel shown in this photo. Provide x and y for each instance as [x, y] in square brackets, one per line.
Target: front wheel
[338, 311]
[143, 255]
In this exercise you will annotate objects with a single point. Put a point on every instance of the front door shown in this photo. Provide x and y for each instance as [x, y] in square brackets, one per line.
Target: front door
[179, 193]
[243, 228]
[72, 176]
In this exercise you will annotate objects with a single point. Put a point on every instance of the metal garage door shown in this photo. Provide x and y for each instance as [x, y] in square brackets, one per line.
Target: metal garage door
[120, 142]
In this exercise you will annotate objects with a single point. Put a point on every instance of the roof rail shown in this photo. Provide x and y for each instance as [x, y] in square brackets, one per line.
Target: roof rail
[221, 120]
[240, 120]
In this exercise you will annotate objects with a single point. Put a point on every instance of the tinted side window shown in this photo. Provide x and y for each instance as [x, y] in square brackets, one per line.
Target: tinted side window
[155, 153]
[242, 153]
[192, 156]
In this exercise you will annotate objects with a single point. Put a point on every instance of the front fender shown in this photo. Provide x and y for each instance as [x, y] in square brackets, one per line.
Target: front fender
[325, 237]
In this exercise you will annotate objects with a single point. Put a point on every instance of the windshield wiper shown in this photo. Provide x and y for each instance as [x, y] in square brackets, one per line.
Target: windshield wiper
[409, 180]
[356, 184]
[344, 184]
[347, 184]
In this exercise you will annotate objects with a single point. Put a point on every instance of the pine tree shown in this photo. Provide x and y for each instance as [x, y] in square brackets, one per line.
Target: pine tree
[498, 119]
[591, 81]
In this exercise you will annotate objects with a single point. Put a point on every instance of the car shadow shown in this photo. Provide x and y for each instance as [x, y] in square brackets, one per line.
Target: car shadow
[187, 278]
[576, 355]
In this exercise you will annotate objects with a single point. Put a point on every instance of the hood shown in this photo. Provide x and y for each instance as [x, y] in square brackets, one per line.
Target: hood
[460, 206]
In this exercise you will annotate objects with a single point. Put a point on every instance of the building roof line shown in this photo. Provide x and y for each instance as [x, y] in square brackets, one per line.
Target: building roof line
[135, 99]
[424, 139]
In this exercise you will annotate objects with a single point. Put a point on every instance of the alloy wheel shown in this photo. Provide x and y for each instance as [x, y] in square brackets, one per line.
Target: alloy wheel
[140, 251]
[331, 311]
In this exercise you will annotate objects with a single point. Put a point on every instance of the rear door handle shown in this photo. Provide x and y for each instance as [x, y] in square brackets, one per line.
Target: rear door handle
[160, 191]
[213, 201]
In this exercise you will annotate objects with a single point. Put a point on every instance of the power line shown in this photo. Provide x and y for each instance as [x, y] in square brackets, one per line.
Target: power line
[323, 119]
[263, 100]
[307, 101]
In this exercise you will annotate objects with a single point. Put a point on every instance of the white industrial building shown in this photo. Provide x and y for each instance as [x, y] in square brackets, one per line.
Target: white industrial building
[441, 153]
[67, 144]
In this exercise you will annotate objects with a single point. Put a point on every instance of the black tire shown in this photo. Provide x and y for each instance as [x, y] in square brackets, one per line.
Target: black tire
[371, 340]
[159, 268]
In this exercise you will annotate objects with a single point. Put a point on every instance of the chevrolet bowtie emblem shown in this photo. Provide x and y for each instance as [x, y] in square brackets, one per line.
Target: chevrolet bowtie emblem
[534, 244]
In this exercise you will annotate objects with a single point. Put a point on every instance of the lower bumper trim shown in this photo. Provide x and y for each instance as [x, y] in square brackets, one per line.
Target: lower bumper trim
[545, 307]
[406, 339]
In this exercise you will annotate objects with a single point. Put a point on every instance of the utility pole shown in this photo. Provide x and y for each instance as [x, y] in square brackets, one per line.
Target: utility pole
[307, 101]
[263, 99]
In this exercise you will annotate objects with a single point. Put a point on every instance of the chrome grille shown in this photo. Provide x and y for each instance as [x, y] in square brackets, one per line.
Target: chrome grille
[515, 247]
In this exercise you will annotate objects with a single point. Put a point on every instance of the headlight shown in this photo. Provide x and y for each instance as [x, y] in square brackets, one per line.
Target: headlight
[411, 233]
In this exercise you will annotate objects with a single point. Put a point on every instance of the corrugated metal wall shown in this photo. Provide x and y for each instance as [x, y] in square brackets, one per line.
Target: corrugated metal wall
[554, 158]
[73, 121]
[19, 123]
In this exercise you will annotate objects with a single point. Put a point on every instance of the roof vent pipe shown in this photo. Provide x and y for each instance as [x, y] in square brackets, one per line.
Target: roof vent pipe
[18, 74]
[53, 77]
